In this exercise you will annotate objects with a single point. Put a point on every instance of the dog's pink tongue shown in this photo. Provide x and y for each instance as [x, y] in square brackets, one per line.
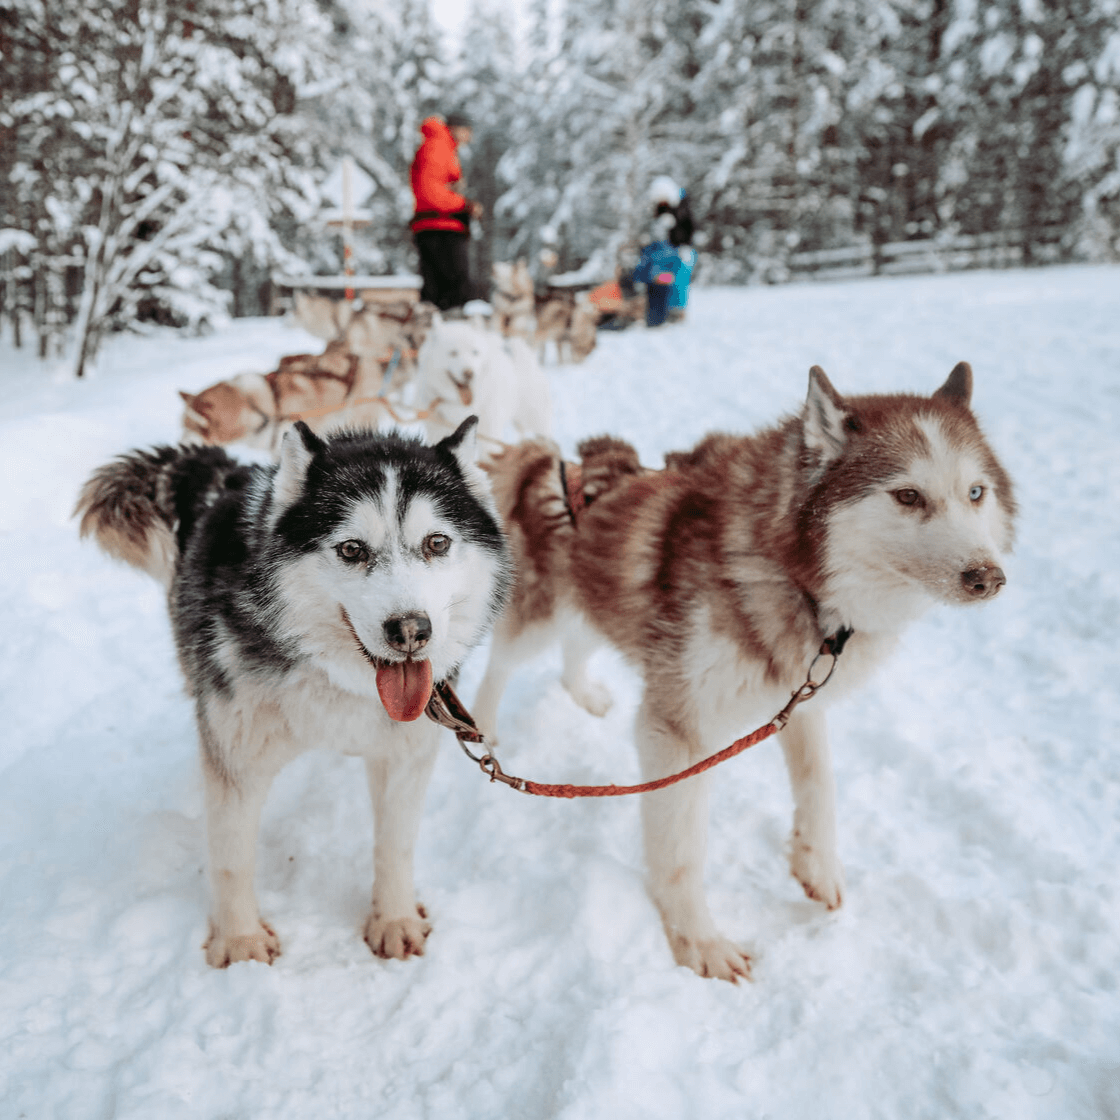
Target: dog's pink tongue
[405, 689]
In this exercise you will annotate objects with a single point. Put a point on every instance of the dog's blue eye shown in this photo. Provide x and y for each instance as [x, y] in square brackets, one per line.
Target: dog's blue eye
[976, 493]
[352, 552]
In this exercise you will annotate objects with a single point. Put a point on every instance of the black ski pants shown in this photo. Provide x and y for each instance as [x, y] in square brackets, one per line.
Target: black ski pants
[444, 267]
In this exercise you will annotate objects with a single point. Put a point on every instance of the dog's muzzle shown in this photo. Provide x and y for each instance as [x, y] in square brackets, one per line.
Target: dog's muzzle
[984, 582]
[466, 394]
[407, 633]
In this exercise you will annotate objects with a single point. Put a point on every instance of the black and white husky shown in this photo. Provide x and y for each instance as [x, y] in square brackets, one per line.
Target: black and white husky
[313, 603]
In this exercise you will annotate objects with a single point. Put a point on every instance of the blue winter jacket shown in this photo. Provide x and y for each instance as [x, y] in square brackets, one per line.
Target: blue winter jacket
[657, 258]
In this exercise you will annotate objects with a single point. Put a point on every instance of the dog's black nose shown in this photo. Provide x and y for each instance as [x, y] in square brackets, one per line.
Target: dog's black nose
[408, 632]
[983, 583]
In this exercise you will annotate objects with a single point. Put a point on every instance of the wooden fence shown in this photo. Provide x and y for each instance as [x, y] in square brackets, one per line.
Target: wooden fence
[1001, 249]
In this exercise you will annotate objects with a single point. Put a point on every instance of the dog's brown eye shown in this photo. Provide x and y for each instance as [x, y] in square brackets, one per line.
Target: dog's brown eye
[437, 545]
[352, 552]
[907, 497]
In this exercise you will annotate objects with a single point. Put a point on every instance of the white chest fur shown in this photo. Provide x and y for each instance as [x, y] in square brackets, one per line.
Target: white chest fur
[304, 710]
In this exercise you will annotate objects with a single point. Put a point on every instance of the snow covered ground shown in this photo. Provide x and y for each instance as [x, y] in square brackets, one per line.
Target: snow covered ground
[972, 973]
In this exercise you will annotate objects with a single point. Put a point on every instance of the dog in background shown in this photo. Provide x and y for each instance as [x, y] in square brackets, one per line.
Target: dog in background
[374, 332]
[314, 603]
[344, 387]
[464, 368]
[562, 317]
[322, 316]
[240, 410]
[329, 390]
[568, 320]
[720, 576]
[513, 300]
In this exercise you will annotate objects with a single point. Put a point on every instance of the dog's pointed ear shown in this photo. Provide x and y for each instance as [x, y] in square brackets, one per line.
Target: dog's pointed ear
[193, 412]
[958, 386]
[823, 420]
[300, 445]
[463, 443]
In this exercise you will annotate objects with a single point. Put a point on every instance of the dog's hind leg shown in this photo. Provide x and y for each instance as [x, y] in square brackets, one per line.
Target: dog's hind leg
[813, 858]
[233, 812]
[397, 926]
[577, 643]
[675, 830]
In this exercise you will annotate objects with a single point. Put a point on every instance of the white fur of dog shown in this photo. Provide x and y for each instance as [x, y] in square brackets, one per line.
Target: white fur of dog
[464, 369]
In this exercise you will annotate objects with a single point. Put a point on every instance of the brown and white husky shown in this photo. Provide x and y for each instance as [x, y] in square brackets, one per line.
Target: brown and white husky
[719, 576]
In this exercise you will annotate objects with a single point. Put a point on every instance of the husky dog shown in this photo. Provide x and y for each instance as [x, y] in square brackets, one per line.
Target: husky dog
[464, 368]
[513, 299]
[389, 333]
[569, 320]
[322, 316]
[373, 330]
[331, 390]
[314, 603]
[718, 578]
[345, 386]
[240, 410]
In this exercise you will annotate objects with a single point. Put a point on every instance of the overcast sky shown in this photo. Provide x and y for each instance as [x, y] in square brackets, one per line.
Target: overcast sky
[449, 14]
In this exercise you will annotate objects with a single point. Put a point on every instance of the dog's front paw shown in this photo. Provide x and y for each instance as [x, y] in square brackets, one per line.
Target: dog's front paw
[819, 871]
[711, 956]
[398, 937]
[591, 696]
[225, 949]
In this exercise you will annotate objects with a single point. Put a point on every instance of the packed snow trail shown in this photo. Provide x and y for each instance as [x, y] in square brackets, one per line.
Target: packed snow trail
[971, 973]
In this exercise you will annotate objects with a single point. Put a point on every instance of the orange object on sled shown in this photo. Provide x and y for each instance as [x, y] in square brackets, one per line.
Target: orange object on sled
[607, 297]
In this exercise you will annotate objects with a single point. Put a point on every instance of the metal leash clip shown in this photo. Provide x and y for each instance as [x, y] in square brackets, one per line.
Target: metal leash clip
[831, 647]
[446, 709]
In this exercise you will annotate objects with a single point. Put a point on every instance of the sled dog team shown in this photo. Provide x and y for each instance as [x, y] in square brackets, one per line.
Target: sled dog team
[318, 600]
[393, 356]
[450, 368]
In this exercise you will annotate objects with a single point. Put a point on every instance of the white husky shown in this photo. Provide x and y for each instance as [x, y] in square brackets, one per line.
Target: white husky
[465, 369]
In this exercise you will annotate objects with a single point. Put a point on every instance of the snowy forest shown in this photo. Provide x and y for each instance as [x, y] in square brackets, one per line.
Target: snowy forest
[160, 161]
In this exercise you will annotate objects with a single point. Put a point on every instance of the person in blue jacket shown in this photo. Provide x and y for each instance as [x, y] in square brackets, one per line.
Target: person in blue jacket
[667, 263]
[657, 268]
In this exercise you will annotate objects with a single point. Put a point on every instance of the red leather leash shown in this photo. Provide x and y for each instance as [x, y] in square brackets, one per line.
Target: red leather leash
[446, 709]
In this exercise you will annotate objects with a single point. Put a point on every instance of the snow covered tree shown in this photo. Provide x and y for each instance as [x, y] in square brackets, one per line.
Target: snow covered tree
[148, 138]
[610, 115]
[486, 84]
[1092, 154]
[1011, 72]
[417, 83]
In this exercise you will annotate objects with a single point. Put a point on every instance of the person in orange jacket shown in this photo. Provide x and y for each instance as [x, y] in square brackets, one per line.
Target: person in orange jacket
[441, 223]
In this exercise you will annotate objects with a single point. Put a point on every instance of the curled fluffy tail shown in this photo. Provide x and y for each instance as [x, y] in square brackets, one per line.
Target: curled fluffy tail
[142, 506]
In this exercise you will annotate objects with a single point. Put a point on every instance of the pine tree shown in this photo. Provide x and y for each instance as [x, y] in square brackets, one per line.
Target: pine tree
[486, 84]
[151, 137]
[1011, 77]
[612, 108]
[417, 72]
[1092, 155]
